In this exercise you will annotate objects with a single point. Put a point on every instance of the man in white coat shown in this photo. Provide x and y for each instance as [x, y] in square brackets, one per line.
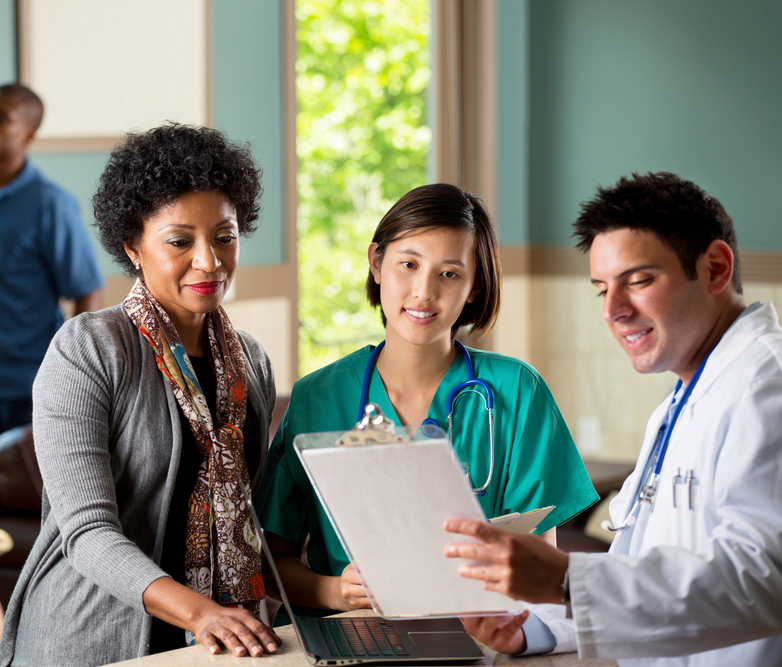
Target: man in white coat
[694, 575]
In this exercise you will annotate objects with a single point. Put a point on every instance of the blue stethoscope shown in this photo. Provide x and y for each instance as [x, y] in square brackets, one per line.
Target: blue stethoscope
[469, 384]
[648, 490]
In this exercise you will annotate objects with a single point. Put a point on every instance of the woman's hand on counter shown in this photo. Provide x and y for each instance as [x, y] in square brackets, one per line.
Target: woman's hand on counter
[236, 629]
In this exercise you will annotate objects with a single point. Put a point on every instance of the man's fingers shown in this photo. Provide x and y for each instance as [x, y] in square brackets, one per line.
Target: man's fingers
[511, 625]
[481, 625]
[489, 535]
[474, 572]
[483, 531]
[479, 552]
[491, 576]
[502, 632]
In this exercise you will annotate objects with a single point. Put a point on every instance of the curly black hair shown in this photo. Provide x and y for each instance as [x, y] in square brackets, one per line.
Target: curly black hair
[153, 168]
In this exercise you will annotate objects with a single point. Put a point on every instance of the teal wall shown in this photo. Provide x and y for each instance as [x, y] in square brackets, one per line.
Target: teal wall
[247, 94]
[513, 121]
[622, 85]
[7, 41]
[247, 85]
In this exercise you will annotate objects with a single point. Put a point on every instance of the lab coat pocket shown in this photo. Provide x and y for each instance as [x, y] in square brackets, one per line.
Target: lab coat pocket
[686, 491]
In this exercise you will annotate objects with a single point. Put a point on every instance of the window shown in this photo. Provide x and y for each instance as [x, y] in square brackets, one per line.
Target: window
[362, 140]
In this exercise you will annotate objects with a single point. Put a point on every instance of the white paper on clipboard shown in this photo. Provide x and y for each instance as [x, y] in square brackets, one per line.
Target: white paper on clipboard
[525, 522]
[388, 503]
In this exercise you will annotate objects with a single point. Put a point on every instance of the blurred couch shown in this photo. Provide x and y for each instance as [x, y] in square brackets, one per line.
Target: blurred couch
[20, 503]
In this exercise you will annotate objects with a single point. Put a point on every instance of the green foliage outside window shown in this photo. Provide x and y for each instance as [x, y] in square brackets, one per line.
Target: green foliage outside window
[362, 72]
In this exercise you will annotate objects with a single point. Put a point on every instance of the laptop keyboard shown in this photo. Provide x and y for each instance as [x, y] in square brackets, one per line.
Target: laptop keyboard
[362, 637]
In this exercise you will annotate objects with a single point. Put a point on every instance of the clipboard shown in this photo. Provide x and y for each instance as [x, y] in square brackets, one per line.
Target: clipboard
[525, 522]
[387, 491]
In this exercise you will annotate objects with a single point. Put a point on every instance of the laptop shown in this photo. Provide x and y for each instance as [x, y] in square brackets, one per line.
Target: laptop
[352, 641]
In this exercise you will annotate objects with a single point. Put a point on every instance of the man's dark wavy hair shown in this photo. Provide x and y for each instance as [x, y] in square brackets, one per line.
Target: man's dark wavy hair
[152, 169]
[677, 211]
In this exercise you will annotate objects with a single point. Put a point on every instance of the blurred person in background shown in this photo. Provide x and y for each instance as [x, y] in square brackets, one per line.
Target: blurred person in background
[45, 255]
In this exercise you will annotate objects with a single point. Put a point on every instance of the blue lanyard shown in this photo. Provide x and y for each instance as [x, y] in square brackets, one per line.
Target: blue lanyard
[668, 428]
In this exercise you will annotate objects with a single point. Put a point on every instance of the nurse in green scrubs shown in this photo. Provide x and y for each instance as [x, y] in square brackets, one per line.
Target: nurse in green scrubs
[433, 268]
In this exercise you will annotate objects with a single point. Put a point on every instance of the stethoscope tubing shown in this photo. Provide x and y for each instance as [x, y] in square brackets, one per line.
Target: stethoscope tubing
[453, 395]
[648, 489]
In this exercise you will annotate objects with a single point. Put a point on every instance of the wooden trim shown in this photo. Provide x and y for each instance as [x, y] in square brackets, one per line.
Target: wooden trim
[447, 77]
[756, 267]
[479, 99]
[515, 260]
[290, 166]
[558, 261]
[209, 48]
[251, 282]
[262, 282]
[74, 144]
[22, 41]
[91, 144]
[543, 261]
[760, 267]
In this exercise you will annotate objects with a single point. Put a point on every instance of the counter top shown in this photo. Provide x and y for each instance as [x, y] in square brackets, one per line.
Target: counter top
[290, 655]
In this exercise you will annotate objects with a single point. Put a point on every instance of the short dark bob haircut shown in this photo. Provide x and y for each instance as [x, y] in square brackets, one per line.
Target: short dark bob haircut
[677, 211]
[152, 169]
[446, 206]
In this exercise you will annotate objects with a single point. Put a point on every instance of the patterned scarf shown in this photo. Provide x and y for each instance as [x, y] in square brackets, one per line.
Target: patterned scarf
[222, 557]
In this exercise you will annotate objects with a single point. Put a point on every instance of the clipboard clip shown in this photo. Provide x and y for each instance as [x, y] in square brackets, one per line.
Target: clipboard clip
[373, 429]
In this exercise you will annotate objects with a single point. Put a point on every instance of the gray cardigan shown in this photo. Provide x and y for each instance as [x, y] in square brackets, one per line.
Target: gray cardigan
[107, 435]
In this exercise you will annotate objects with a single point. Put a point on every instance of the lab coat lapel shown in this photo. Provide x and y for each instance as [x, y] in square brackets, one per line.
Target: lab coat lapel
[754, 321]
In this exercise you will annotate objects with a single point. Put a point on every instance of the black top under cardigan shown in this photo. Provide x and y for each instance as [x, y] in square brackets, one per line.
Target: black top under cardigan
[166, 637]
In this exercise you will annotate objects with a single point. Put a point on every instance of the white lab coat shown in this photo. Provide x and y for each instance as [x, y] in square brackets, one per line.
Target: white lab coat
[698, 582]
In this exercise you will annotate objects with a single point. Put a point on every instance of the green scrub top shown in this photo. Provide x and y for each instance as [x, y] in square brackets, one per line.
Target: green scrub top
[536, 463]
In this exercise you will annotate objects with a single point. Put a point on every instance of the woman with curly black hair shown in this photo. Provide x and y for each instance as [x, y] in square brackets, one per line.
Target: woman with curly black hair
[148, 418]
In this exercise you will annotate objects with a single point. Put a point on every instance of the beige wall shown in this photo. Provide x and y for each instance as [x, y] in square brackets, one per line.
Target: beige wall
[556, 324]
[268, 321]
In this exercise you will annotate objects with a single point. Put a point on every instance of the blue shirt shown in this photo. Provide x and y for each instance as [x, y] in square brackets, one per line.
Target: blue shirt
[45, 255]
